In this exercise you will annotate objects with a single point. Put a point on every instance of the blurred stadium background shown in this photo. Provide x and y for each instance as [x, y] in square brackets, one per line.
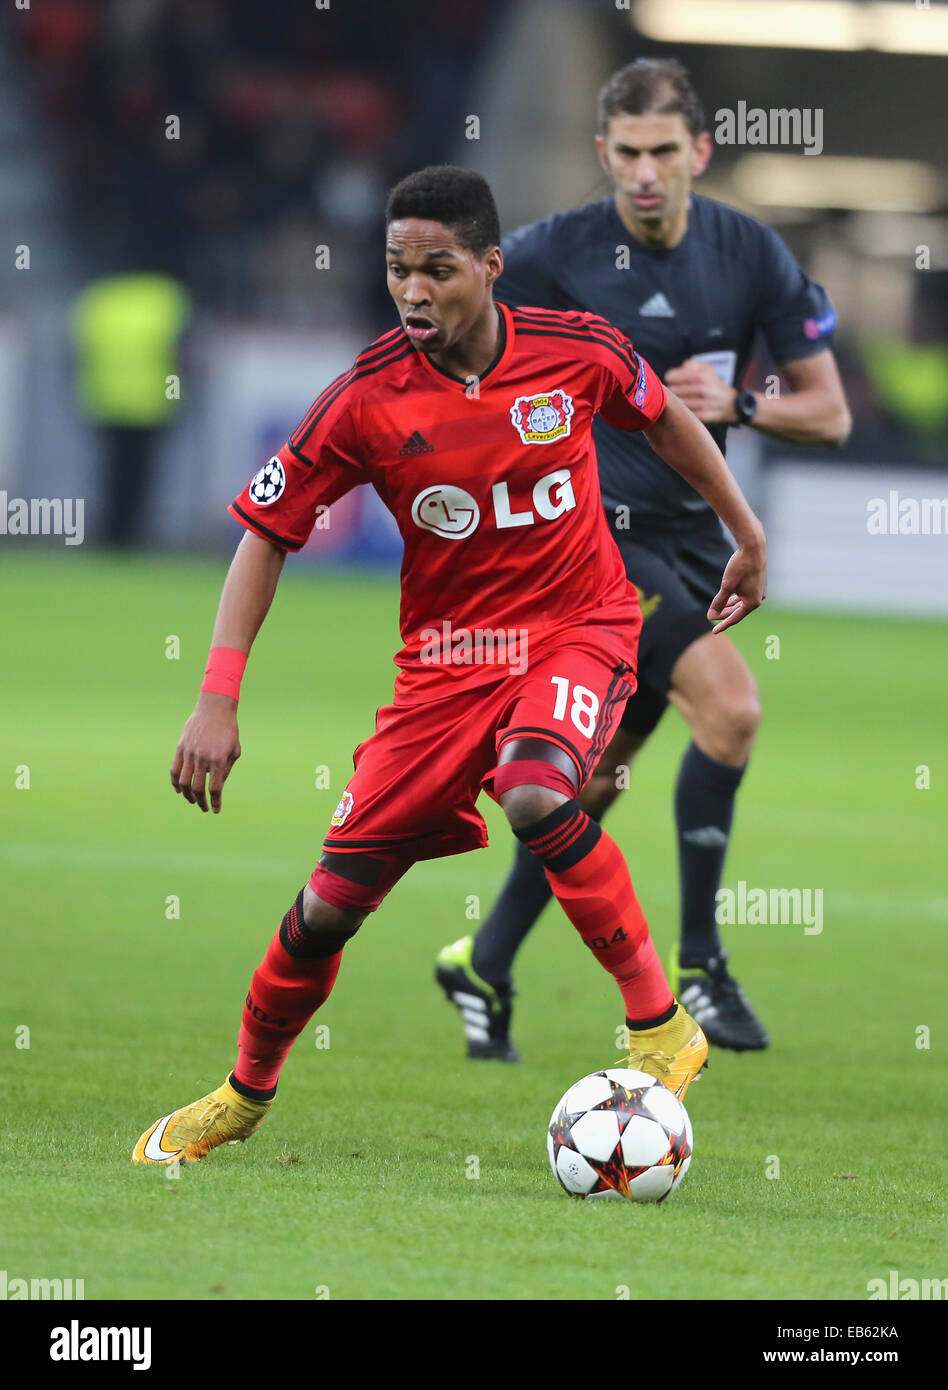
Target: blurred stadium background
[245, 158]
[131, 924]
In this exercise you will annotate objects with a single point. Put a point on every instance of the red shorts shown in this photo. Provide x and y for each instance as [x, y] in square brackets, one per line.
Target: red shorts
[412, 795]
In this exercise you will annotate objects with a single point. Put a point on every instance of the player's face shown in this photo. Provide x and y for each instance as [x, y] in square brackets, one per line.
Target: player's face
[440, 288]
[652, 161]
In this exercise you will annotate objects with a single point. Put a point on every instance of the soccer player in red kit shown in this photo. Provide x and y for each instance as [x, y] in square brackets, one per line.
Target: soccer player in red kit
[472, 421]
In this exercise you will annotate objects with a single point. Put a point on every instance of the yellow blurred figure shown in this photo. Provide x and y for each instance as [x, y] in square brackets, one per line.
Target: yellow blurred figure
[127, 333]
[911, 379]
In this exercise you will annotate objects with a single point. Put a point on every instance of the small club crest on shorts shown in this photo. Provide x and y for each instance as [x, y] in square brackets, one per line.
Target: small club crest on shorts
[343, 810]
[541, 419]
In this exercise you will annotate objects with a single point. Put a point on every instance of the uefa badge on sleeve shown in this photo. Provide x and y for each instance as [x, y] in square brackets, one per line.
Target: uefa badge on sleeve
[267, 486]
[541, 419]
[641, 385]
[343, 810]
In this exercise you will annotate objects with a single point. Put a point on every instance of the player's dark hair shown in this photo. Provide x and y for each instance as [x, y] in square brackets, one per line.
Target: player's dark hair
[651, 86]
[446, 193]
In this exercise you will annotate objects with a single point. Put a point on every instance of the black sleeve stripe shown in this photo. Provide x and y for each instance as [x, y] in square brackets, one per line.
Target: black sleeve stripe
[574, 320]
[390, 353]
[328, 398]
[604, 326]
[255, 525]
[536, 311]
[337, 389]
[386, 341]
[343, 377]
[627, 359]
[373, 353]
[297, 455]
[569, 318]
[596, 330]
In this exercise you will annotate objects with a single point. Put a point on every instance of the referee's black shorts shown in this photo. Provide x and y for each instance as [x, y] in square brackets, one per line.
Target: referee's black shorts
[676, 565]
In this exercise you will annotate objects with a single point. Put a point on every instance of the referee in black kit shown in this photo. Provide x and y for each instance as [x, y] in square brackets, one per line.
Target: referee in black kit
[689, 281]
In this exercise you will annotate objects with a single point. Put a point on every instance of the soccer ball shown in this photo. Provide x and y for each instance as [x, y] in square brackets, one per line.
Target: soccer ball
[620, 1133]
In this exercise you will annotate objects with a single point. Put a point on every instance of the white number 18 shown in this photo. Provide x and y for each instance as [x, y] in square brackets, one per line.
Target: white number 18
[585, 705]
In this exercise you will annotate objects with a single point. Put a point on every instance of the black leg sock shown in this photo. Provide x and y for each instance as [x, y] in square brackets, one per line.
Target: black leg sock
[523, 897]
[704, 808]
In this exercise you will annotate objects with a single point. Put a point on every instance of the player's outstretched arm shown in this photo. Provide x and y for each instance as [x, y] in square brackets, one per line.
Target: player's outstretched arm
[686, 446]
[210, 744]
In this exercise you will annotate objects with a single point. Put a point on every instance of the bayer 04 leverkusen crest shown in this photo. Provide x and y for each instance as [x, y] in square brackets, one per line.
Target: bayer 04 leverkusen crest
[541, 419]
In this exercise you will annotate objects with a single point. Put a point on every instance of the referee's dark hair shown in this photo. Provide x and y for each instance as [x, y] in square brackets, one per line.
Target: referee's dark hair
[651, 86]
[446, 193]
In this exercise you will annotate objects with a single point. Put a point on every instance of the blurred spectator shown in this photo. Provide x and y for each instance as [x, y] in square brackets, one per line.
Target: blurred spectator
[910, 376]
[293, 123]
[127, 331]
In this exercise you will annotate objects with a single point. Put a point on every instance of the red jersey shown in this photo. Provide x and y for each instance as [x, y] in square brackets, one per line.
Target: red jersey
[493, 483]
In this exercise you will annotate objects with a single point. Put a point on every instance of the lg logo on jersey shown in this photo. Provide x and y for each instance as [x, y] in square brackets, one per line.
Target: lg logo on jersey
[453, 513]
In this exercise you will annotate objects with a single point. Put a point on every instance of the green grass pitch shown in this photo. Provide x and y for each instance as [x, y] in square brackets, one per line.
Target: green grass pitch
[359, 1182]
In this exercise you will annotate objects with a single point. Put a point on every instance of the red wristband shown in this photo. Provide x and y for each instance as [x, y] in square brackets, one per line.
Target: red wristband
[225, 668]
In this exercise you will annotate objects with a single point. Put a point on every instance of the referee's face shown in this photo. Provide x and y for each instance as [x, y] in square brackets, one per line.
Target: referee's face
[652, 160]
[440, 287]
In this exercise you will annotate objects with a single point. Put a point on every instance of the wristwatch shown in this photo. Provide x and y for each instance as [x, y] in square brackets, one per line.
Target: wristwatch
[745, 404]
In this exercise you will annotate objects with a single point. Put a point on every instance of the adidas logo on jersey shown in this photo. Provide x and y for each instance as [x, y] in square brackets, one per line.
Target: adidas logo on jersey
[657, 307]
[416, 444]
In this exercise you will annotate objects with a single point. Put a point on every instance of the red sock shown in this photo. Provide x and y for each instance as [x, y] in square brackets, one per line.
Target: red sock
[590, 879]
[286, 990]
